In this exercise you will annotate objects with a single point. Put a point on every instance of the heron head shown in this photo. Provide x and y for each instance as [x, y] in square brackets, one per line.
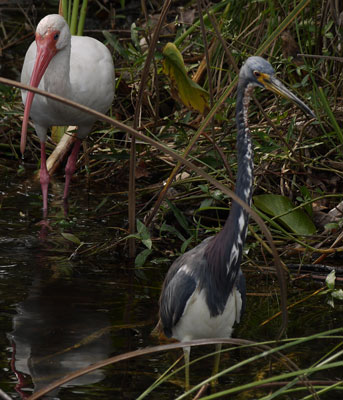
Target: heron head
[257, 71]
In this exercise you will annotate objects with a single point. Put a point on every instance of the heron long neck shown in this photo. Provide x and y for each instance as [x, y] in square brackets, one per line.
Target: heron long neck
[224, 252]
[244, 182]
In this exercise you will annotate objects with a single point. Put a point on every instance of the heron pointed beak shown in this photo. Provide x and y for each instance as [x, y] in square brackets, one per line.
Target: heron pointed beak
[274, 85]
[46, 49]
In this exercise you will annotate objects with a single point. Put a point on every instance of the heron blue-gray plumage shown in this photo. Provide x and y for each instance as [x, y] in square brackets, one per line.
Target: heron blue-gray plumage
[203, 294]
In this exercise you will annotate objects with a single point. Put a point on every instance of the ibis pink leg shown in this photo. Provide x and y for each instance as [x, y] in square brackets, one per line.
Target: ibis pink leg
[71, 166]
[44, 177]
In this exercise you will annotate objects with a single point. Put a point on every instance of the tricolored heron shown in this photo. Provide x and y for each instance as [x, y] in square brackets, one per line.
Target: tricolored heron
[203, 294]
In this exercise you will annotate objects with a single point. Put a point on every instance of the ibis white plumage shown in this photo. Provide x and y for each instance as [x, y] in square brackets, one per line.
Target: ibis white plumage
[79, 68]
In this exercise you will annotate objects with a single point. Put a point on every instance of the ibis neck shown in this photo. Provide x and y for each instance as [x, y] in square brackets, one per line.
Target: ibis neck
[57, 75]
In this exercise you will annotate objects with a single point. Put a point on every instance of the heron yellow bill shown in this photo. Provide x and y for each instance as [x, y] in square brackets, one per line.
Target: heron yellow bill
[274, 85]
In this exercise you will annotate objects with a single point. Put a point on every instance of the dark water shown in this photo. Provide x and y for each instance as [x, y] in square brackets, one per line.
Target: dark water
[59, 313]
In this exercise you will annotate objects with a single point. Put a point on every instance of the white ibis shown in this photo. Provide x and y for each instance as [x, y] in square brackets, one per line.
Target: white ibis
[79, 68]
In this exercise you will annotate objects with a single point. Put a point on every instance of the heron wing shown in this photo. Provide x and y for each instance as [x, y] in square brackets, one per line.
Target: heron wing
[174, 298]
[180, 283]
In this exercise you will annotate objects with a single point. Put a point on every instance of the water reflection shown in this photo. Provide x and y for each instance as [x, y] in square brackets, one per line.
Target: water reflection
[58, 329]
[58, 323]
[59, 317]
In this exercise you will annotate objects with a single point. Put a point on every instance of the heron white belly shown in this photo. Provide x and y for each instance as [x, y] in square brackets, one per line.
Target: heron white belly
[197, 323]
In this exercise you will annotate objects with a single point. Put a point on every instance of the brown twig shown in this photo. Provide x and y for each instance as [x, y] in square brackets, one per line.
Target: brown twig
[136, 124]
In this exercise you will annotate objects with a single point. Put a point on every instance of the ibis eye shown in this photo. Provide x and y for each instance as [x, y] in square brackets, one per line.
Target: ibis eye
[56, 36]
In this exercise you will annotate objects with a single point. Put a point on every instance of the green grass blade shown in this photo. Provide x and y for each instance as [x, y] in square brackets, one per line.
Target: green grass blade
[324, 390]
[283, 25]
[329, 113]
[73, 23]
[65, 9]
[282, 347]
[83, 12]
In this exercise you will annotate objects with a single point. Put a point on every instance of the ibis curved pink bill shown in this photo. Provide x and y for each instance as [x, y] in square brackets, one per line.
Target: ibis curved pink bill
[79, 68]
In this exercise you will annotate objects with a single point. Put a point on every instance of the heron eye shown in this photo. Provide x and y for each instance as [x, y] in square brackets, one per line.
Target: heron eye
[257, 74]
[56, 36]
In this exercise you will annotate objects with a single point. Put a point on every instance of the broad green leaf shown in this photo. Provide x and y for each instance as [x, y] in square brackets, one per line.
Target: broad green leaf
[296, 221]
[147, 243]
[141, 257]
[331, 302]
[183, 88]
[204, 188]
[206, 203]
[330, 280]
[144, 234]
[71, 238]
[337, 294]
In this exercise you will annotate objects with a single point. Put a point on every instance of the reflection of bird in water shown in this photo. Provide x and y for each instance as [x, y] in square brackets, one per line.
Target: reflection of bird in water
[203, 294]
[54, 334]
[79, 68]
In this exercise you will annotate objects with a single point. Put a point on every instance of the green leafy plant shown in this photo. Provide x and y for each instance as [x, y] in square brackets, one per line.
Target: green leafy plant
[331, 291]
[143, 235]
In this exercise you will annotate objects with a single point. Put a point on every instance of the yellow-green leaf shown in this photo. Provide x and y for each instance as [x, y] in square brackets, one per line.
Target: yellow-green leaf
[296, 220]
[57, 132]
[183, 87]
[330, 280]
[71, 237]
